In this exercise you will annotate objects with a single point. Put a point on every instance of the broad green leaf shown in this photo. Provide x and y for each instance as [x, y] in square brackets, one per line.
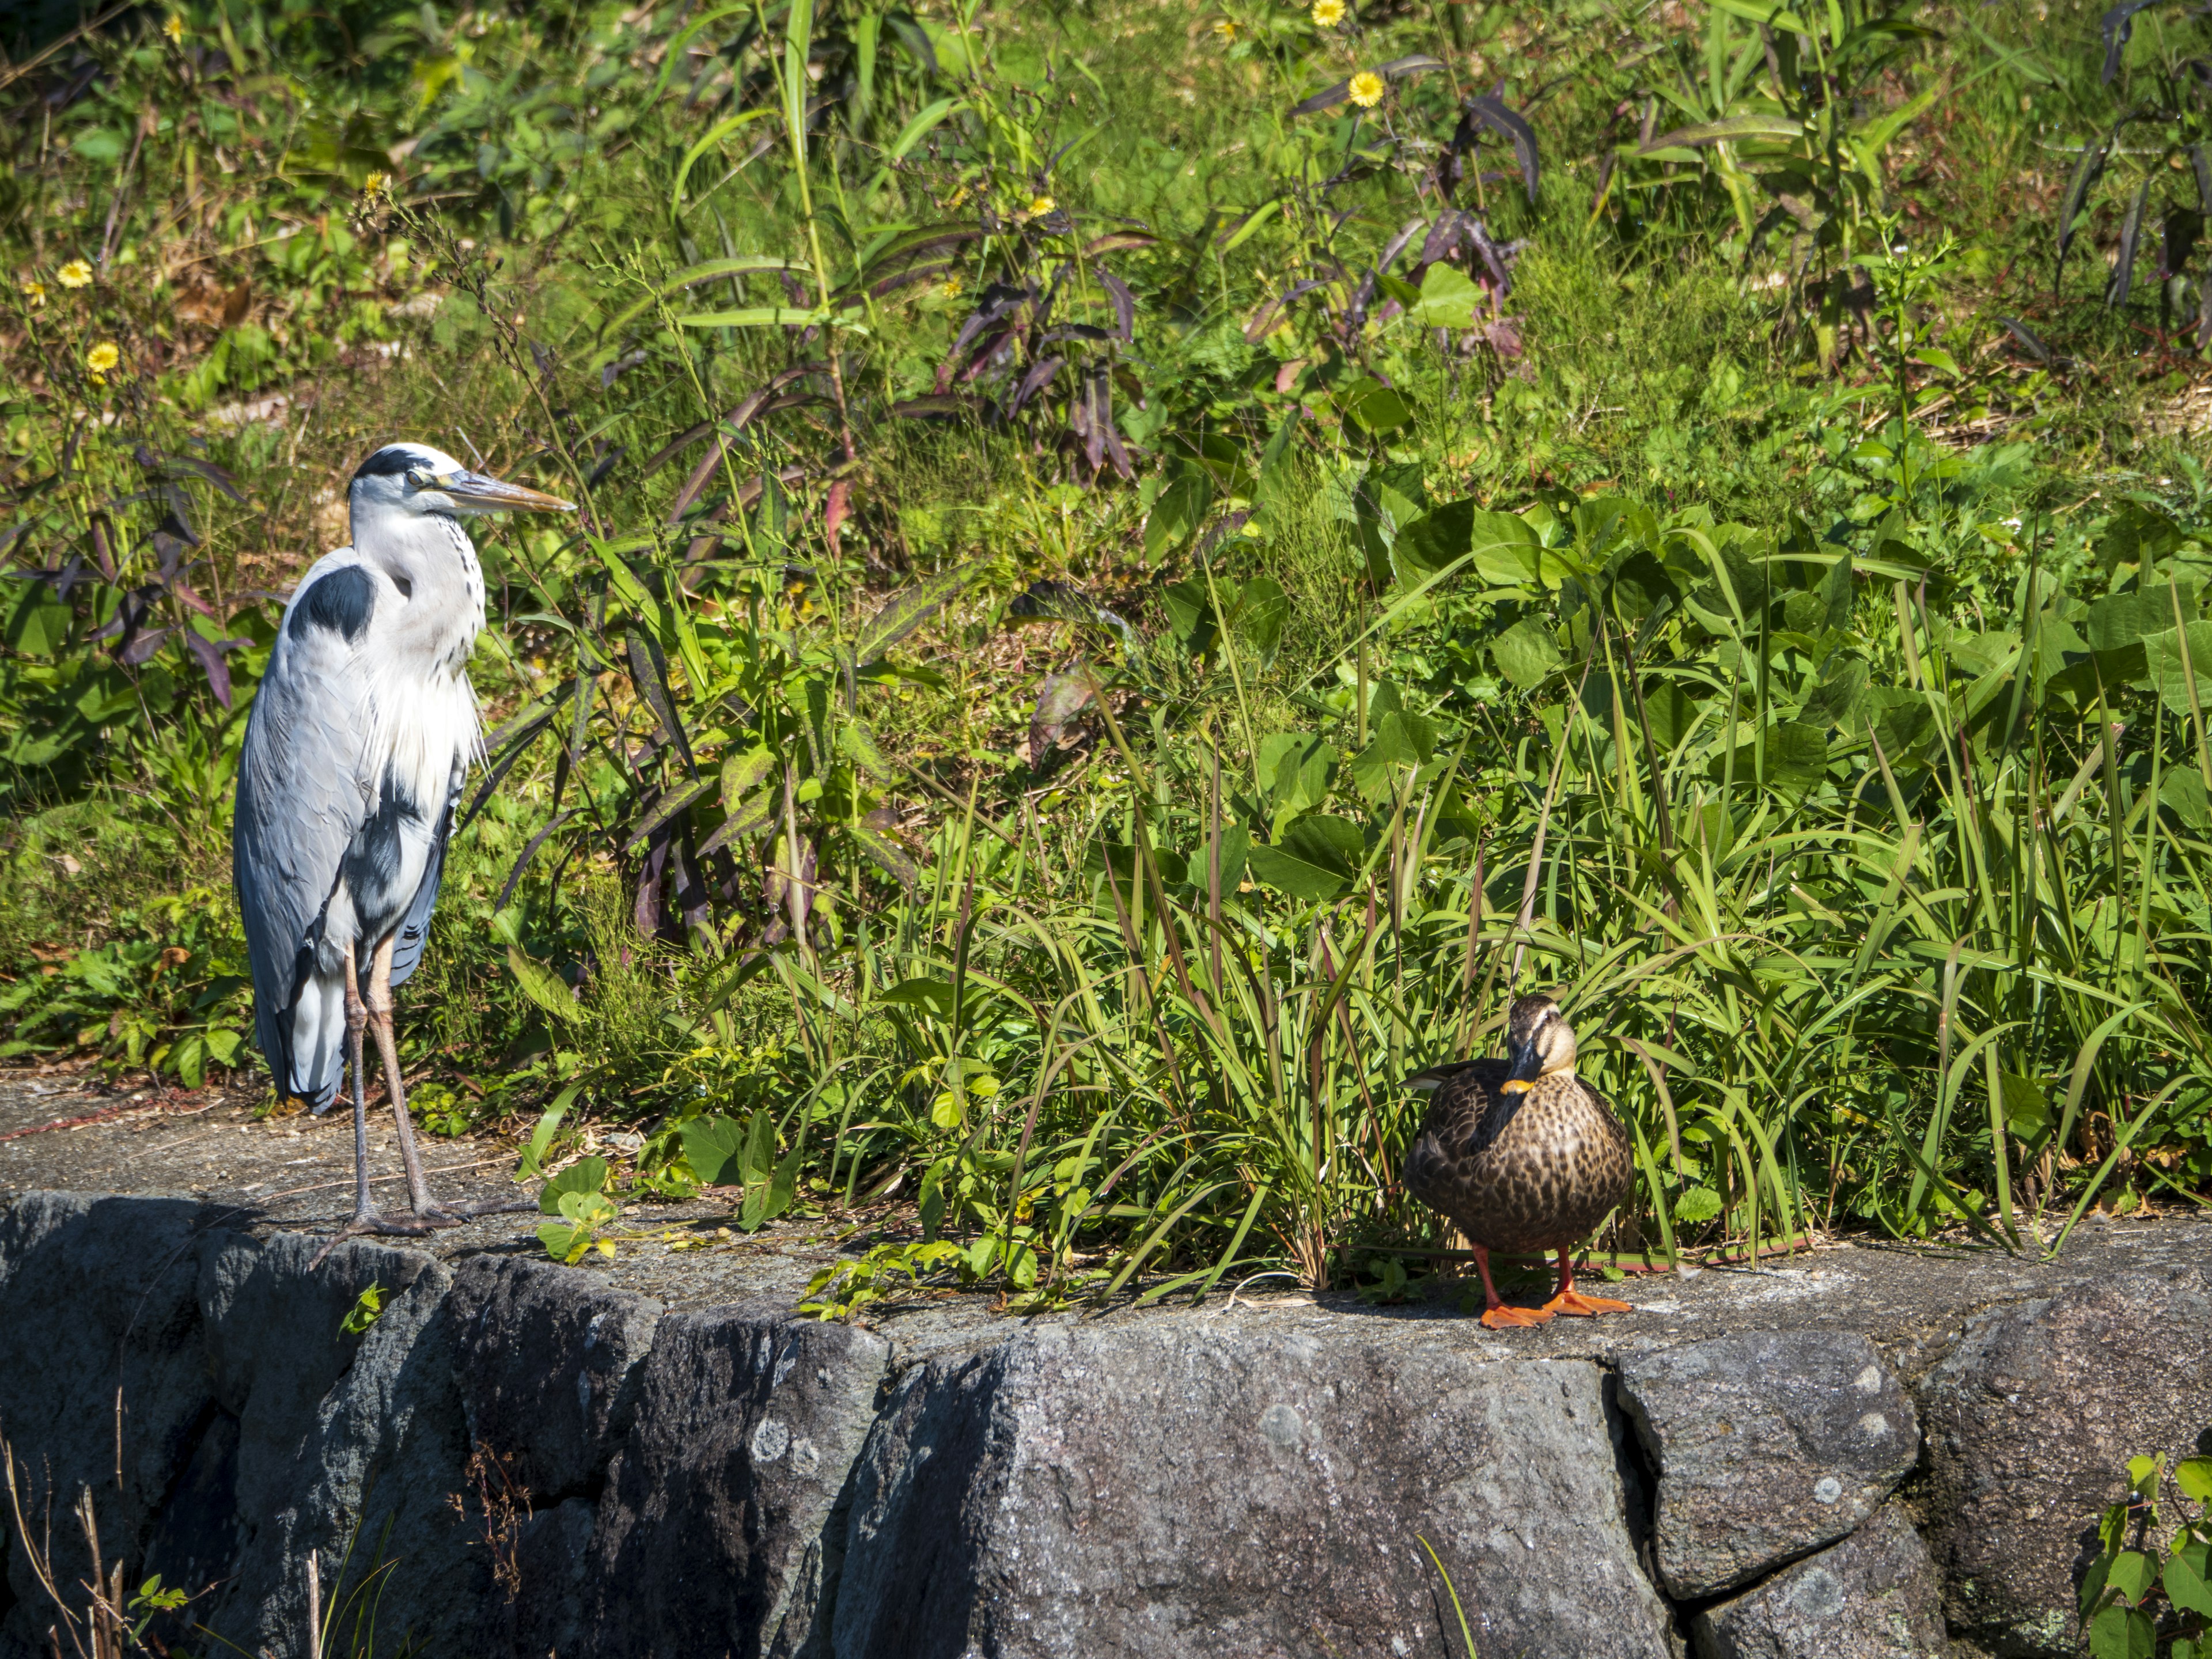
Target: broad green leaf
[2131, 1574]
[2186, 1572]
[1697, 1205]
[2163, 658]
[886, 853]
[39, 625]
[2125, 619]
[1837, 697]
[586, 1176]
[1449, 297]
[758, 1158]
[2027, 1109]
[1253, 221]
[1190, 616]
[713, 1146]
[1295, 768]
[2182, 790]
[2194, 1476]
[1793, 756]
[2121, 1632]
[1525, 653]
[1316, 858]
[1375, 407]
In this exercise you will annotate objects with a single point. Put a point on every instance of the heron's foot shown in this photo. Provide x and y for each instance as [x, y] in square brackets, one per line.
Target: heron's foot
[454, 1215]
[1501, 1317]
[1576, 1305]
[367, 1222]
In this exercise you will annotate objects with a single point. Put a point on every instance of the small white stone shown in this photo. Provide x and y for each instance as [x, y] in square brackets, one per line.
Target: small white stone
[1868, 1381]
[1828, 1489]
[769, 1441]
[1874, 1426]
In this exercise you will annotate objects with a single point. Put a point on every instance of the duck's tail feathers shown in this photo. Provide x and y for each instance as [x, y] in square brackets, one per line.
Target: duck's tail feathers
[1428, 1082]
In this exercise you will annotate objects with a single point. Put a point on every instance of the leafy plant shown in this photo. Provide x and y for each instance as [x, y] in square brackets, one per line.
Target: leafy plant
[2139, 1564]
[580, 1196]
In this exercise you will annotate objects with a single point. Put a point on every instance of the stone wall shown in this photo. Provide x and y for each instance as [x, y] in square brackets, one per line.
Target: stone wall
[518, 1458]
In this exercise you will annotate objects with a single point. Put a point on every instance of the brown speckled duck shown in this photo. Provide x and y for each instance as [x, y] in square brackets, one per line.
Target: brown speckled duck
[1523, 1155]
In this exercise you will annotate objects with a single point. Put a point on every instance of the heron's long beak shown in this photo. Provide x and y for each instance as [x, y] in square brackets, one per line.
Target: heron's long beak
[1526, 1068]
[486, 494]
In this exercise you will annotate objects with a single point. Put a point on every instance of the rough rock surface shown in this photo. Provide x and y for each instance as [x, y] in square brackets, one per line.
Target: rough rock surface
[548, 1367]
[1768, 1446]
[1872, 1596]
[2031, 1422]
[721, 1530]
[1145, 1490]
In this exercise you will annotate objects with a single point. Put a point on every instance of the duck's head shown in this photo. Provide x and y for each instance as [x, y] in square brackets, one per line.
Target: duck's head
[1539, 1043]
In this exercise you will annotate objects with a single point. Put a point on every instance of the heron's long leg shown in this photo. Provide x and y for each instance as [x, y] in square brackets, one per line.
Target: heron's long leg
[356, 1019]
[380, 1008]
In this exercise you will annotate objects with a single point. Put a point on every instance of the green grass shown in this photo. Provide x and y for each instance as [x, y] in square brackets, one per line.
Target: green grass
[1864, 926]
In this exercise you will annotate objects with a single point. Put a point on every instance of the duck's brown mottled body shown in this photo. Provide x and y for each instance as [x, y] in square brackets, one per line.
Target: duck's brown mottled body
[1523, 1156]
[1526, 1173]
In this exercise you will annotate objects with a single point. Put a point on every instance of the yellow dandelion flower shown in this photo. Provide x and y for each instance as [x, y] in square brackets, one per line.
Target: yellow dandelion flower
[1327, 14]
[75, 274]
[102, 357]
[34, 291]
[374, 183]
[1041, 205]
[1366, 89]
[1225, 28]
[174, 28]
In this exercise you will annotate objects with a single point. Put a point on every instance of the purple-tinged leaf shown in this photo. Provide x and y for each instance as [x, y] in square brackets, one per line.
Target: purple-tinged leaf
[1038, 378]
[152, 459]
[1125, 303]
[140, 648]
[1493, 114]
[210, 651]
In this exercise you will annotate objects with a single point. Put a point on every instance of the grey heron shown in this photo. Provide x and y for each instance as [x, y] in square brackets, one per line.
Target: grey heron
[356, 747]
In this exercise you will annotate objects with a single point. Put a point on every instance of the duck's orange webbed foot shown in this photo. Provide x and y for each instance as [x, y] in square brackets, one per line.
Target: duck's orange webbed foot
[1504, 1318]
[1576, 1305]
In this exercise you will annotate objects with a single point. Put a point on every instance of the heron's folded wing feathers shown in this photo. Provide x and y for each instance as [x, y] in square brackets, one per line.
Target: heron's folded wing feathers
[301, 799]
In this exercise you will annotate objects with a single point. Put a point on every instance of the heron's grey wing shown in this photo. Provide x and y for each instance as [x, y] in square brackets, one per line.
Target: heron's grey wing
[301, 802]
[414, 931]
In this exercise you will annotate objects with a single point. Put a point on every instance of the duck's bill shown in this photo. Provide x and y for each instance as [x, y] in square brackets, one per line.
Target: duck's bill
[1526, 1068]
[483, 492]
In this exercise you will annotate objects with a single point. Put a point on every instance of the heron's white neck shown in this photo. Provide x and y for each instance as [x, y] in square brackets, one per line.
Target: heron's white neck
[432, 562]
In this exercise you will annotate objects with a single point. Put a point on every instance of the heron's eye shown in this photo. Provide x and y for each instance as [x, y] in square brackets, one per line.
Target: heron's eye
[417, 479]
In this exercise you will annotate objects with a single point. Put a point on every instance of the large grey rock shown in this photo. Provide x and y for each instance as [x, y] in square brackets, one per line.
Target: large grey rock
[1872, 1596]
[547, 1363]
[2031, 1422]
[1768, 1446]
[349, 1445]
[721, 1526]
[103, 1388]
[1240, 1487]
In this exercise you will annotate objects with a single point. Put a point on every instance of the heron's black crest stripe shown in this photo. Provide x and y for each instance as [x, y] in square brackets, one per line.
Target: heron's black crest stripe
[389, 462]
[342, 601]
